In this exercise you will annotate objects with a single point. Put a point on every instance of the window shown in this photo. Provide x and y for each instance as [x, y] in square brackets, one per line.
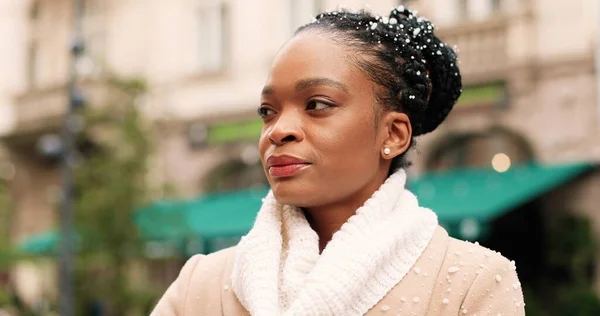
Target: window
[302, 11]
[94, 28]
[34, 11]
[32, 49]
[32, 60]
[89, 7]
[496, 6]
[477, 9]
[234, 174]
[213, 35]
[407, 3]
[463, 9]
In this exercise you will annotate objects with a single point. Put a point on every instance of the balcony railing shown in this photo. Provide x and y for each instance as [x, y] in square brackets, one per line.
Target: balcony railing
[482, 49]
[38, 110]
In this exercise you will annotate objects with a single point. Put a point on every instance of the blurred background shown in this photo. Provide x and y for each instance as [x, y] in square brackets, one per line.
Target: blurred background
[129, 128]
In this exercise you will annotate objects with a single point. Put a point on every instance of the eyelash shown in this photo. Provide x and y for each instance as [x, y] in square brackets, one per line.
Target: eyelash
[263, 111]
[329, 105]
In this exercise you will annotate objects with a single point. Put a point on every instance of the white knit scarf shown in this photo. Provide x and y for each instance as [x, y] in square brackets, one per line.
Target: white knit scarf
[278, 269]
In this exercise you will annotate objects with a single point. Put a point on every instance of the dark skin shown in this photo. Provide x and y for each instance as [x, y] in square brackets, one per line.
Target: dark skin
[320, 108]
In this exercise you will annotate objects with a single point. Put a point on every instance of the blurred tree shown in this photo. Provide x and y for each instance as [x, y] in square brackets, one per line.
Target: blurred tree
[110, 185]
[4, 242]
[7, 254]
[564, 285]
[5, 220]
[573, 250]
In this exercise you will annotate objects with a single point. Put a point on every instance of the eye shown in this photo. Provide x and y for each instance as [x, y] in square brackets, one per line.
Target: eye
[264, 111]
[315, 105]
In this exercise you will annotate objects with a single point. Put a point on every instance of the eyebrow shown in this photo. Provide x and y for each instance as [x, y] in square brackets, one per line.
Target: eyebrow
[313, 82]
[310, 83]
[267, 90]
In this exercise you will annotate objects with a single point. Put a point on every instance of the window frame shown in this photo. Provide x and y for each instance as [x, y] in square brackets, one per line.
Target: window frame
[298, 16]
[205, 61]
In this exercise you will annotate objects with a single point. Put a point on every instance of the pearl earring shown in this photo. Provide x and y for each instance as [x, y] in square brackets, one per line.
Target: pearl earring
[386, 151]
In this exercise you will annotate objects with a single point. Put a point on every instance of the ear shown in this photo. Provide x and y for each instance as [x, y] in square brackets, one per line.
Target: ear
[398, 134]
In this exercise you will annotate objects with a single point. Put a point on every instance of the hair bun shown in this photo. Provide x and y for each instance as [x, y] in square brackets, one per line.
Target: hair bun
[441, 63]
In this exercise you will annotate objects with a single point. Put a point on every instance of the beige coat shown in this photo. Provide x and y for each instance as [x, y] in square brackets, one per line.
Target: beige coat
[451, 277]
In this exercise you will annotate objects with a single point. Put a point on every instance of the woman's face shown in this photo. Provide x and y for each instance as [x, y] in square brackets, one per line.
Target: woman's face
[320, 144]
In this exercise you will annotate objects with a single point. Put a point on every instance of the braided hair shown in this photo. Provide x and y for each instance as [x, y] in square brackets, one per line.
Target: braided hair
[416, 72]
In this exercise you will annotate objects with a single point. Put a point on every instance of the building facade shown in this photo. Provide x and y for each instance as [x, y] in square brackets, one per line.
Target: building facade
[529, 73]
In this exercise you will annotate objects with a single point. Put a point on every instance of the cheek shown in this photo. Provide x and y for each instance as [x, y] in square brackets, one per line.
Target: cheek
[350, 144]
[263, 146]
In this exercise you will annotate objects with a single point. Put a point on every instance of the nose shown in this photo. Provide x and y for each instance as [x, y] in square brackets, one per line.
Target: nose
[285, 130]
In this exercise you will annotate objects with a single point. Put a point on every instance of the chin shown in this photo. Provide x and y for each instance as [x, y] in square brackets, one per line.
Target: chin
[293, 192]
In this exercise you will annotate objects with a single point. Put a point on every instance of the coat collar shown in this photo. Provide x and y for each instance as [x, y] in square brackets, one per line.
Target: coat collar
[278, 270]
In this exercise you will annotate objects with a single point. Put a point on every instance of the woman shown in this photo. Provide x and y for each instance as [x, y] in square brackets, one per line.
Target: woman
[339, 234]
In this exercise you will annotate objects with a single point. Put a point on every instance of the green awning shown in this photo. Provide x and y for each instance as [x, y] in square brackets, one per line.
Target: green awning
[213, 215]
[460, 196]
[225, 214]
[163, 220]
[484, 194]
[43, 243]
[209, 223]
[46, 243]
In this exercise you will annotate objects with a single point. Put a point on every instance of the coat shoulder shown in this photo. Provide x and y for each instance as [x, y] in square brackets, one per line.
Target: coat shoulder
[216, 260]
[198, 285]
[473, 257]
[210, 270]
[495, 288]
[474, 279]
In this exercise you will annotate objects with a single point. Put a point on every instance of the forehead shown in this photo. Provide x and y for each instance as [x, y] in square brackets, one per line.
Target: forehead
[314, 54]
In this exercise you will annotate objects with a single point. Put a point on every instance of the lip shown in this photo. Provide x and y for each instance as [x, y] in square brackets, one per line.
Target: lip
[285, 165]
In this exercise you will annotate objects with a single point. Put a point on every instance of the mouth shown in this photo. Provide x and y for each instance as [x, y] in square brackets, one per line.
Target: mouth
[285, 166]
[286, 170]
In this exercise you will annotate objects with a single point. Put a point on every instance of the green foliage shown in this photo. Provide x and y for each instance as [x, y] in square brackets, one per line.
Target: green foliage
[564, 287]
[7, 254]
[534, 306]
[110, 186]
[573, 247]
[579, 301]
[4, 226]
[567, 301]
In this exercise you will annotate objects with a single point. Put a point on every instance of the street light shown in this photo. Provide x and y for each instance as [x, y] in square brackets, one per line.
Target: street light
[597, 54]
[76, 100]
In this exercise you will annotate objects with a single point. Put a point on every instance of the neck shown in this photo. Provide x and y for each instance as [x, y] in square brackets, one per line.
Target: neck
[327, 219]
